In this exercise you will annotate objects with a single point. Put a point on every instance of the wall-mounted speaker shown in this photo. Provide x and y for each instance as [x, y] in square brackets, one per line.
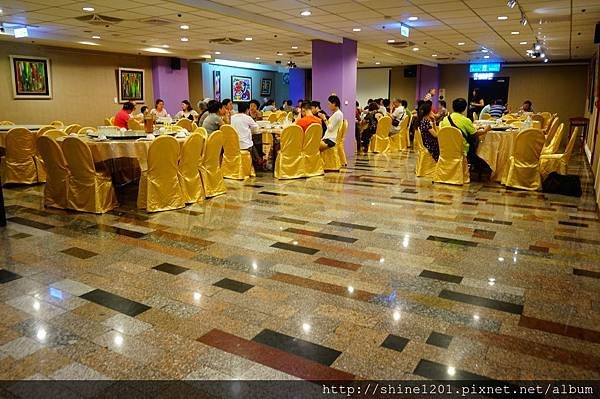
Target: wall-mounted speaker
[175, 63]
[410, 71]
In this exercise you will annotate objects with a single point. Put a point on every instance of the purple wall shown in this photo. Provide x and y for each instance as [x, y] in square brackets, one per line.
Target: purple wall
[297, 84]
[334, 71]
[169, 85]
[427, 77]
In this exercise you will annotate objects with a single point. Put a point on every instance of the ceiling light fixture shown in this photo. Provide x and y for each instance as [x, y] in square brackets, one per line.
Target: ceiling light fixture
[95, 37]
[434, 55]
[294, 47]
[184, 27]
[415, 49]
[165, 46]
[546, 60]
[485, 50]
[377, 63]
[511, 3]
[486, 56]
[258, 58]
[523, 19]
[248, 39]
[279, 53]
[88, 9]
[89, 43]
[156, 50]
[461, 43]
[502, 18]
[306, 13]
[217, 52]
[413, 18]
[391, 41]
[356, 30]
[184, 39]
[515, 32]
[522, 42]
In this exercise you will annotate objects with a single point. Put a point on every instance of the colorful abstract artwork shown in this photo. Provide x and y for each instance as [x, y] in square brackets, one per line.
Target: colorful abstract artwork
[131, 85]
[265, 87]
[31, 77]
[217, 85]
[241, 88]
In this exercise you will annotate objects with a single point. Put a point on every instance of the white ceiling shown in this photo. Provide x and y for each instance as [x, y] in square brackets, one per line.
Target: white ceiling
[276, 25]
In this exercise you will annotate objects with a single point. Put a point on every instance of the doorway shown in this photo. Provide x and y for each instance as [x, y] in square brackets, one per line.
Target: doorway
[490, 90]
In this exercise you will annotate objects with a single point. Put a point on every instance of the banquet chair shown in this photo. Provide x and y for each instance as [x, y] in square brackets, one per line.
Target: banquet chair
[107, 122]
[507, 117]
[538, 118]
[523, 164]
[452, 166]
[54, 133]
[555, 142]
[288, 164]
[74, 128]
[272, 118]
[186, 124]
[210, 169]
[551, 131]
[486, 117]
[133, 124]
[340, 140]
[18, 165]
[202, 131]
[558, 162]
[547, 119]
[400, 141]
[236, 163]
[44, 129]
[312, 159]
[189, 168]
[84, 131]
[380, 142]
[57, 173]
[475, 116]
[194, 127]
[159, 188]
[87, 189]
[4, 123]
[57, 124]
[425, 165]
[281, 117]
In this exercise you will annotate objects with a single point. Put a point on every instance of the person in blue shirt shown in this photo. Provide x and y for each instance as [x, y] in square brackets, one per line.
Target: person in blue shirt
[498, 109]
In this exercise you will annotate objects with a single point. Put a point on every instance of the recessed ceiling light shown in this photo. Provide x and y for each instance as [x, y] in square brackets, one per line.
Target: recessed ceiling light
[156, 50]
[514, 32]
[248, 39]
[95, 37]
[391, 41]
[279, 53]
[415, 49]
[184, 27]
[485, 51]
[1, 11]
[377, 63]
[295, 47]
[217, 52]
[184, 39]
[89, 43]
[461, 43]
[486, 56]
[523, 43]
[413, 18]
[502, 17]
[88, 9]
[258, 58]
[356, 29]
[546, 60]
[434, 55]
[306, 13]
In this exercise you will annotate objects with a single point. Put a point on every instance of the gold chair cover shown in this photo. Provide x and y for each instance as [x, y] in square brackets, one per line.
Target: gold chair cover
[551, 131]
[557, 138]
[186, 124]
[189, 168]
[87, 190]
[202, 131]
[380, 142]
[4, 123]
[312, 163]
[159, 188]
[401, 140]
[524, 164]
[210, 170]
[54, 133]
[288, 164]
[272, 118]
[425, 165]
[74, 128]
[57, 124]
[452, 166]
[236, 164]
[133, 124]
[107, 122]
[339, 145]
[44, 129]
[485, 117]
[84, 130]
[18, 165]
[57, 172]
[194, 127]
[558, 162]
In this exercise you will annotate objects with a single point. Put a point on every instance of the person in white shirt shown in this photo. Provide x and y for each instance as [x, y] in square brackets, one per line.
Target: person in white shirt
[398, 114]
[429, 95]
[335, 124]
[245, 126]
[187, 112]
[159, 110]
[382, 107]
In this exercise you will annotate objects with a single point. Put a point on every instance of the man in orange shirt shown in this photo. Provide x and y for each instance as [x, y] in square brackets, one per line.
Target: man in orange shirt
[307, 117]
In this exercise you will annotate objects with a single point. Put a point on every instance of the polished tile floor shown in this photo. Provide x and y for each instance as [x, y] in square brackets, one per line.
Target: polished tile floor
[370, 273]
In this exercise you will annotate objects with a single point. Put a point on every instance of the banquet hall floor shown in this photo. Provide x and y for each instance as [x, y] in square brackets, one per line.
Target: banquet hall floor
[369, 273]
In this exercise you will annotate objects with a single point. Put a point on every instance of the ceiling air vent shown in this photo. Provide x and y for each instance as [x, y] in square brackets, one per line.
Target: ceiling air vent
[225, 40]
[155, 21]
[403, 44]
[97, 19]
[298, 53]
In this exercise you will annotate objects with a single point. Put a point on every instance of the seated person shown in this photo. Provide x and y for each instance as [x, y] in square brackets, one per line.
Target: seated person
[442, 111]
[187, 112]
[527, 106]
[369, 124]
[319, 113]
[485, 110]
[140, 117]
[498, 109]
[254, 112]
[270, 106]
[159, 110]
[214, 120]
[469, 132]
[427, 126]
[123, 116]
[245, 126]
[307, 118]
[228, 105]
[335, 123]
[287, 106]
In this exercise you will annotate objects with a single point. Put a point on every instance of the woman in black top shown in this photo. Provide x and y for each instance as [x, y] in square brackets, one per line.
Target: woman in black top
[428, 128]
[476, 104]
[370, 125]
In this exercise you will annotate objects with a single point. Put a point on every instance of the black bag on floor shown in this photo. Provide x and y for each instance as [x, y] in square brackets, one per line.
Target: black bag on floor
[562, 184]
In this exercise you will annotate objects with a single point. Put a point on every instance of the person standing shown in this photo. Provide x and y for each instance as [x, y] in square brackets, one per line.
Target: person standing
[429, 95]
[476, 104]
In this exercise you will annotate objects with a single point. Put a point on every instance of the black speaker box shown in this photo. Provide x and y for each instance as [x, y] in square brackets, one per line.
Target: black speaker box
[410, 71]
[175, 63]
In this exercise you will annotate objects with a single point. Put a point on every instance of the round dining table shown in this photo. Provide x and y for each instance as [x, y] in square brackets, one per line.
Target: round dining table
[495, 148]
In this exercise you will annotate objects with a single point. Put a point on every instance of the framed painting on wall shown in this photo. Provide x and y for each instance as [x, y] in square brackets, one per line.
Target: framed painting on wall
[131, 85]
[265, 87]
[241, 88]
[30, 77]
[217, 85]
